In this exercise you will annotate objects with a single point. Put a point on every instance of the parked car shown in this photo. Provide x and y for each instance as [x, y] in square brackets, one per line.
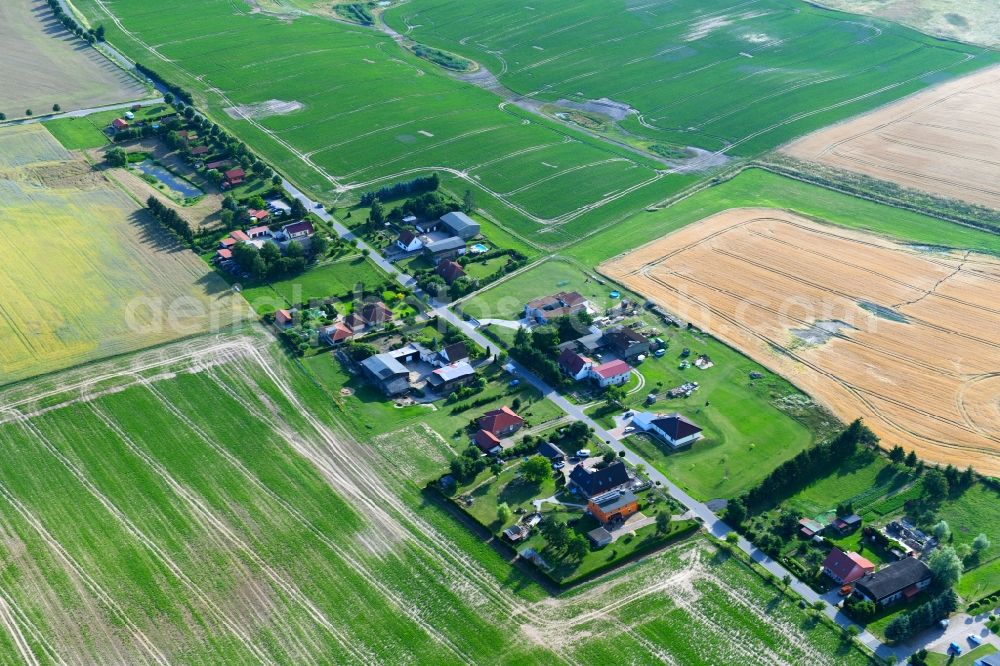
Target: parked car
[629, 429]
[975, 640]
[559, 464]
[846, 590]
[583, 453]
[955, 649]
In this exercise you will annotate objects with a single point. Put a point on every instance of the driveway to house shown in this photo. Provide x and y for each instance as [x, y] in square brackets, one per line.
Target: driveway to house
[712, 523]
[79, 113]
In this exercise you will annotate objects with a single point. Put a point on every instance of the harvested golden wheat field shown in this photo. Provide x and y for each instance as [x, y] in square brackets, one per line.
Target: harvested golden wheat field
[905, 338]
[85, 273]
[944, 140]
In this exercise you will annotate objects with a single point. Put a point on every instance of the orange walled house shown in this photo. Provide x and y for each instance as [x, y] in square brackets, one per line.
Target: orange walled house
[615, 506]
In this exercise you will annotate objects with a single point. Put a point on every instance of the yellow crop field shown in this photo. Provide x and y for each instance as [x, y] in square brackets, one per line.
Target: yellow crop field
[84, 272]
[942, 140]
[907, 338]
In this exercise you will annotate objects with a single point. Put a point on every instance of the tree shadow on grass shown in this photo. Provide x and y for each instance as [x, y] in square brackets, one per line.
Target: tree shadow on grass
[519, 491]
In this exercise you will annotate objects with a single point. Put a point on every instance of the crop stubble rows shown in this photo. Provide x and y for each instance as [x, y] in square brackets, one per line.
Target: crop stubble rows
[918, 361]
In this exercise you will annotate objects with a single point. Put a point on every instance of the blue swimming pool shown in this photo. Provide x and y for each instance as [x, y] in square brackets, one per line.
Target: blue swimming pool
[177, 184]
[479, 248]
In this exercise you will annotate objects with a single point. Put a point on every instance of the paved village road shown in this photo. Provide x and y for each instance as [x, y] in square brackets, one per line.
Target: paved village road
[712, 523]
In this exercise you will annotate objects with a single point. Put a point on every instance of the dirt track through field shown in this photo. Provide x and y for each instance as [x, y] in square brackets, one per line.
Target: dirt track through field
[907, 339]
[943, 141]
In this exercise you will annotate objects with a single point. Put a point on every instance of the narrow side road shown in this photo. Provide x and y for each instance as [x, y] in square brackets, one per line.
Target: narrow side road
[712, 523]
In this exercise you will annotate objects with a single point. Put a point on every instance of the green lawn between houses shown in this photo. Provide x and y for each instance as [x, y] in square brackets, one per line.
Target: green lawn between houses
[367, 412]
[336, 279]
[506, 299]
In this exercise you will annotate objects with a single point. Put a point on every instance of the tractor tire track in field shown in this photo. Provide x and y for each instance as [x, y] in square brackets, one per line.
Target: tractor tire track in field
[333, 455]
[81, 574]
[864, 396]
[11, 625]
[213, 525]
[353, 559]
[349, 559]
[151, 546]
[20, 618]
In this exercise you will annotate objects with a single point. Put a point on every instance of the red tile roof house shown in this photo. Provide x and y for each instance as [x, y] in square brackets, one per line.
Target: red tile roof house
[227, 242]
[218, 164]
[259, 215]
[118, 124]
[199, 150]
[283, 318]
[612, 373]
[259, 232]
[335, 334]
[574, 365]
[223, 254]
[449, 270]
[233, 177]
[846, 568]
[502, 422]
[487, 442]
[239, 236]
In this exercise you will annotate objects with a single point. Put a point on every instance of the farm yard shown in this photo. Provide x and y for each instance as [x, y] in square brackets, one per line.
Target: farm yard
[43, 64]
[718, 76]
[940, 141]
[248, 509]
[86, 275]
[348, 137]
[864, 337]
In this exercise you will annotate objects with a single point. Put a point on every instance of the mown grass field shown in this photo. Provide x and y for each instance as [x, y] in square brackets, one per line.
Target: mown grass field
[207, 508]
[756, 187]
[373, 113]
[715, 75]
[334, 279]
[506, 299]
[86, 274]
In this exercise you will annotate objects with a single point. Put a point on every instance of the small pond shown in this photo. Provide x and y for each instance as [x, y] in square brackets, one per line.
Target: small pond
[175, 183]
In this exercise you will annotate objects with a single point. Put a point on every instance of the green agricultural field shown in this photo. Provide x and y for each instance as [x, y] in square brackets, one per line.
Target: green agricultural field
[208, 508]
[86, 273]
[756, 187]
[710, 74]
[506, 299]
[349, 136]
